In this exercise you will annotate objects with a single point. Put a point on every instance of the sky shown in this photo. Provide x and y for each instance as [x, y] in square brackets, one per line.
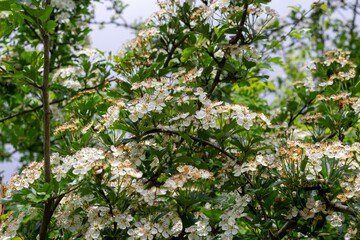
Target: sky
[111, 38]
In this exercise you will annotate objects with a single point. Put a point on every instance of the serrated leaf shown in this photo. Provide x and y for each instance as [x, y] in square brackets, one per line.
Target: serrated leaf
[186, 53]
[44, 15]
[50, 26]
[5, 28]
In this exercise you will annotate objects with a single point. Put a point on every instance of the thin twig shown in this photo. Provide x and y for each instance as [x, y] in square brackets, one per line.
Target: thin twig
[301, 111]
[158, 130]
[31, 82]
[53, 102]
[283, 231]
[172, 50]
[294, 25]
[33, 29]
[117, 24]
[29, 110]
[234, 40]
[239, 35]
[217, 76]
[353, 21]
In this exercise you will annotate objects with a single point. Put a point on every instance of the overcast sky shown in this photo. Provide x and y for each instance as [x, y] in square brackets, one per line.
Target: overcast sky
[111, 38]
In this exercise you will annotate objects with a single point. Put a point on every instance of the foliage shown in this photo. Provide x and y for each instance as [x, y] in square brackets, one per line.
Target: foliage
[172, 138]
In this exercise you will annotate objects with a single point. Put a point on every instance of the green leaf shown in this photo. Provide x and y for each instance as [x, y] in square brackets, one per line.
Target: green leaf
[295, 34]
[213, 214]
[295, 8]
[6, 5]
[323, 7]
[220, 32]
[270, 199]
[45, 14]
[187, 53]
[275, 44]
[50, 26]
[249, 64]
[5, 28]
[276, 60]
[184, 160]
[292, 106]
[85, 139]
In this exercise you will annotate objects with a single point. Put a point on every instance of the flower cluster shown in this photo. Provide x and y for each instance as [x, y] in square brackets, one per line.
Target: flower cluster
[200, 229]
[66, 8]
[181, 146]
[229, 217]
[28, 176]
[79, 164]
[312, 207]
[169, 225]
[186, 173]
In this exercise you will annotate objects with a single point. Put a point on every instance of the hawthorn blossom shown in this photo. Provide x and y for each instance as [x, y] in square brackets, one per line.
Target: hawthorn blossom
[144, 229]
[356, 107]
[293, 212]
[335, 219]
[201, 228]
[27, 177]
[228, 218]
[67, 5]
[8, 229]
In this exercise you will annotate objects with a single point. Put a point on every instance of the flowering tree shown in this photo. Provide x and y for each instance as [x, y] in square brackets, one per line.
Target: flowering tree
[172, 138]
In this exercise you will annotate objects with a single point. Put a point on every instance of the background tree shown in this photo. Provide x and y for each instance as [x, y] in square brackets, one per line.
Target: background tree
[172, 138]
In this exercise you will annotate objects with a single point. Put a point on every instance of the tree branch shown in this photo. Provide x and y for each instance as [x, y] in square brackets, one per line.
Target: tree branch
[217, 76]
[158, 130]
[234, 40]
[117, 24]
[172, 50]
[337, 206]
[283, 231]
[29, 110]
[301, 111]
[53, 102]
[353, 20]
[46, 106]
[46, 125]
[239, 35]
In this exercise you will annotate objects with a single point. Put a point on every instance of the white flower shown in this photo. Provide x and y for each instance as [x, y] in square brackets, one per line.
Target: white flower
[335, 219]
[219, 54]
[71, 84]
[123, 219]
[200, 114]
[92, 54]
[63, 17]
[66, 5]
[261, 160]
[356, 106]
[111, 115]
[293, 212]
[271, 12]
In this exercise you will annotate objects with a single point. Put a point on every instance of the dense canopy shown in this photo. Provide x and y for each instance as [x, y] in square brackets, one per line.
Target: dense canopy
[187, 132]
